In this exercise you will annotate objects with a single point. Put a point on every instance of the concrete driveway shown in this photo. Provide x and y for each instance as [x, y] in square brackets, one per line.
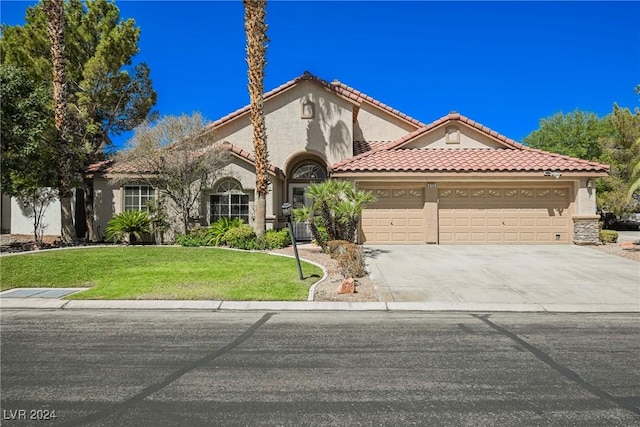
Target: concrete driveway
[553, 277]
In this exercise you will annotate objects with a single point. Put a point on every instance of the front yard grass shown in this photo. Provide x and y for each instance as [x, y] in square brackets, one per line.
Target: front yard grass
[173, 273]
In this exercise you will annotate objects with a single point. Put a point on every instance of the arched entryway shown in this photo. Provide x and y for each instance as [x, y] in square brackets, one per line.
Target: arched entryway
[301, 175]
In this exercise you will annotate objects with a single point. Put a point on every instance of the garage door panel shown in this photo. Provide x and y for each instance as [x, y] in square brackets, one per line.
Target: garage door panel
[415, 222]
[527, 222]
[504, 215]
[396, 217]
[494, 222]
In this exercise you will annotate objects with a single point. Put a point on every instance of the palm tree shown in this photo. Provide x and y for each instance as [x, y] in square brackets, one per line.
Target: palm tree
[54, 10]
[306, 214]
[350, 209]
[340, 206]
[255, 27]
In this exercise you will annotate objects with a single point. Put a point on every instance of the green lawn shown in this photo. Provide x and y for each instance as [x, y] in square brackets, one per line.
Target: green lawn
[147, 272]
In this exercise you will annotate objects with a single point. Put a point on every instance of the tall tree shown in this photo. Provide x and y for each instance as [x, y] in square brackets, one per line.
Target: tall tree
[107, 93]
[575, 134]
[26, 128]
[255, 12]
[621, 151]
[54, 10]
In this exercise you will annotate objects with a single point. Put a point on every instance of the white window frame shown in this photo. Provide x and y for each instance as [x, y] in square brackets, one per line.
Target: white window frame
[236, 199]
[138, 200]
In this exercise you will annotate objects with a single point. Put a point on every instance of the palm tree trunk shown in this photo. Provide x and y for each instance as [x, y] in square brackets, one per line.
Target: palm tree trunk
[54, 10]
[316, 234]
[87, 188]
[255, 27]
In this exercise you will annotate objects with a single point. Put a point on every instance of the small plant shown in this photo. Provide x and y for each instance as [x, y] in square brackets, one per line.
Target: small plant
[242, 237]
[608, 236]
[197, 237]
[277, 239]
[158, 220]
[217, 230]
[349, 256]
[128, 224]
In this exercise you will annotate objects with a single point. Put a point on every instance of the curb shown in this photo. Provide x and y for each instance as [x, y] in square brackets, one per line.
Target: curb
[52, 304]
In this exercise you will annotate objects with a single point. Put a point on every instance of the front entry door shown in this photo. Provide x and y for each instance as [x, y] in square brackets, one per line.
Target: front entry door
[296, 195]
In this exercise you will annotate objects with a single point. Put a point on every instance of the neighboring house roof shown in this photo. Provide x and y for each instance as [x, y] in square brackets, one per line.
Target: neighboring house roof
[513, 157]
[336, 87]
[464, 160]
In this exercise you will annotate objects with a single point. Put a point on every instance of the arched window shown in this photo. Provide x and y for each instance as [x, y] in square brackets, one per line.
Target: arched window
[309, 171]
[229, 201]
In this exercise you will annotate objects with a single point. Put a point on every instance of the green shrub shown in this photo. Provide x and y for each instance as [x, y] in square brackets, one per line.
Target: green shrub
[242, 237]
[608, 236]
[217, 230]
[197, 237]
[322, 232]
[131, 224]
[277, 239]
[349, 256]
[190, 240]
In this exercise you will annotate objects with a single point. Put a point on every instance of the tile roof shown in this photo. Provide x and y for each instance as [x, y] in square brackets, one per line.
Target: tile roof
[513, 157]
[464, 160]
[111, 166]
[337, 87]
[360, 147]
[250, 157]
[456, 117]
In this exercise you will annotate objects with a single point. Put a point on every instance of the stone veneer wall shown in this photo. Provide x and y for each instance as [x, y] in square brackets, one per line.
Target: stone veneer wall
[585, 231]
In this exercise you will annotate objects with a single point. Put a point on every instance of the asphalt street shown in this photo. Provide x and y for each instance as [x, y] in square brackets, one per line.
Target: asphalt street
[196, 368]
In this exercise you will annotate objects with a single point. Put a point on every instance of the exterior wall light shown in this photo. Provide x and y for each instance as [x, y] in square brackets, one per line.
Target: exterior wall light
[554, 174]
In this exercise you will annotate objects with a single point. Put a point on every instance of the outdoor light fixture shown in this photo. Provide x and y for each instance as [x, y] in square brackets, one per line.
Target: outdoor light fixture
[286, 211]
[589, 183]
[554, 174]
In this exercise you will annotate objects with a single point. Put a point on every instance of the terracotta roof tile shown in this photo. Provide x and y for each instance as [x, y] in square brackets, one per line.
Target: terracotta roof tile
[111, 166]
[465, 160]
[360, 147]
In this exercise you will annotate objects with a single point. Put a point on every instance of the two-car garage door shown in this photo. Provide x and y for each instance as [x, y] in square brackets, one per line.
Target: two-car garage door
[470, 215]
[504, 215]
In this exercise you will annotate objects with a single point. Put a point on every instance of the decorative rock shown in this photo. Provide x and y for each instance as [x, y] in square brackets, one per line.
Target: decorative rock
[347, 286]
[628, 246]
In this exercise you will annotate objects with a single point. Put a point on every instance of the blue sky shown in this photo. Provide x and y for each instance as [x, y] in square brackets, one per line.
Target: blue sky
[503, 64]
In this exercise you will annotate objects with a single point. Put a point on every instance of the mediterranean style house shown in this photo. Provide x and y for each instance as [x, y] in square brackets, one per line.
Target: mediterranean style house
[452, 181]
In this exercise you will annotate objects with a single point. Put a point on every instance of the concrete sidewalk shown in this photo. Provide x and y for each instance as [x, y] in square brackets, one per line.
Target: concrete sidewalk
[53, 304]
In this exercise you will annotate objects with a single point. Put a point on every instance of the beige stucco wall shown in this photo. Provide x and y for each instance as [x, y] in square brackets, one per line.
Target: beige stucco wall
[329, 133]
[373, 124]
[469, 138]
[21, 223]
[585, 198]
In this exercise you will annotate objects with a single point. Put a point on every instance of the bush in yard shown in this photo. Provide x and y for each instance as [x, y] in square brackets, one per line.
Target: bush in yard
[608, 236]
[217, 230]
[277, 239]
[128, 224]
[349, 256]
[197, 237]
[242, 237]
